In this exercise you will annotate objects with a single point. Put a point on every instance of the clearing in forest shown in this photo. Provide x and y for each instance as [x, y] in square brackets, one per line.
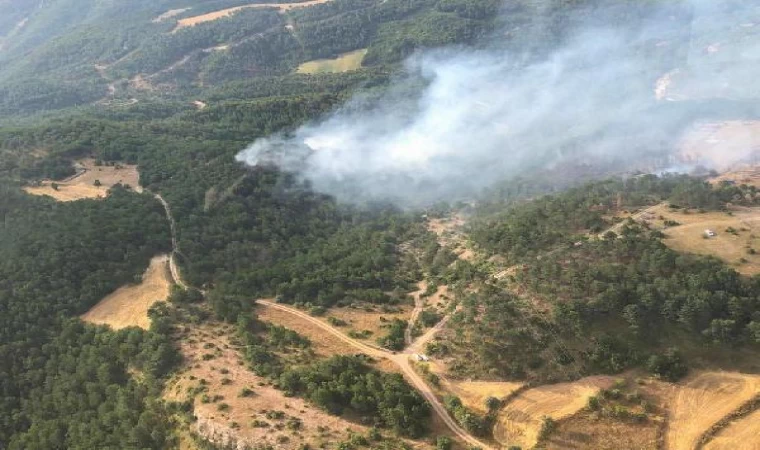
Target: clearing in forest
[704, 399]
[740, 435]
[91, 181]
[366, 321]
[209, 17]
[736, 240]
[449, 234]
[128, 306]
[343, 63]
[519, 422]
[475, 393]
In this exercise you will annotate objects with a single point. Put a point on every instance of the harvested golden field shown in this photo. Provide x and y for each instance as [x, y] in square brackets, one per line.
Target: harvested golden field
[474, 393]
[519, 422]
[702, 400]
[748, 174]
[83, 186]
[195, 20]
[744, 434]
[585, 432]
[343, 63]
[129, 305]
[732, 247]
[721, 145]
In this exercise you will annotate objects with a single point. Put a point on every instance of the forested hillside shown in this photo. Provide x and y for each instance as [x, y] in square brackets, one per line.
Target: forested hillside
[123, 82]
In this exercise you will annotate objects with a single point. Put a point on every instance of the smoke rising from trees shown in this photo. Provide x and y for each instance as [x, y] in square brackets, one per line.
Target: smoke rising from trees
[487, 114]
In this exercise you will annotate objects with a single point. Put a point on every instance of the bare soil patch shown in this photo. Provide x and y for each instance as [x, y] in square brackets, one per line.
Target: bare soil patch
[450, 235]
[83, 185]
[702, 400]
[129, 305]
[520, 420]
[195, 20]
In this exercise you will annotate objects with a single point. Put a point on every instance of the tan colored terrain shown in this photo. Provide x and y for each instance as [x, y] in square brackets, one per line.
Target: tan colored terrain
[585, 432]
[519, 422]
[402, 360]
[744, 434]
[449, 234]
[82, 185]
[128, 306]
[474, 393]
[225, 375]
[689, 236]
[702, 400]
[343, 63]
[368, 317]
[192, 21]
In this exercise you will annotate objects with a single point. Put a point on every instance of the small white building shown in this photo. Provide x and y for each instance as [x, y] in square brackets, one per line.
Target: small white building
[710, 233]
[421, 358]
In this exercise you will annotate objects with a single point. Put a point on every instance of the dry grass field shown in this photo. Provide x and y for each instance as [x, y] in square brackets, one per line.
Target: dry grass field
[129, 305]
[587, 432]
[343, 63]
[733, 248]
[474, 393]
[744, 434]
[195, 20]
[367, 318]
[702, 400]
[213, 367]
[520, 420]
[83, 186]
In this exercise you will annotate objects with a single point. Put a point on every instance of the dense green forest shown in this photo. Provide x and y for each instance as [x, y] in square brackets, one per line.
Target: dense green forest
[65, 384]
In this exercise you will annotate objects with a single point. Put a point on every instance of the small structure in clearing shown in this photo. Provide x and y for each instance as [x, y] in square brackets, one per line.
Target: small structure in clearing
[91, 181]
[710, 233]
[128, 306]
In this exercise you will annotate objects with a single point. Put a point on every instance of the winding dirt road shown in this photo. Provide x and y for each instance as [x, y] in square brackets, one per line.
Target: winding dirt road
[401, 360]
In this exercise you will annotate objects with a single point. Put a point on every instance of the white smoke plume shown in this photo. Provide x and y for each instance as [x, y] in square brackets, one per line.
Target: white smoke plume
[485, 115]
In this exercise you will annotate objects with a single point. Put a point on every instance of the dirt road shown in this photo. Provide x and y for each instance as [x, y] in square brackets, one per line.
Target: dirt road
[616, 228]
[173, 267]
[401, 360]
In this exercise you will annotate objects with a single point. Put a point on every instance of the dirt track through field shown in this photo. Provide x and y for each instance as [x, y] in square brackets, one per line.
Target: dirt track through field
[703, 400]
[401, 360]
[192, 21]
